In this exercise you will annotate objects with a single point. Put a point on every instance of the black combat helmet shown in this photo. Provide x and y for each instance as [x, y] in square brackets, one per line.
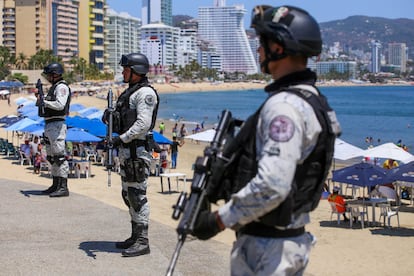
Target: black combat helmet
[138, 63]
[53, 68]
[295, 29]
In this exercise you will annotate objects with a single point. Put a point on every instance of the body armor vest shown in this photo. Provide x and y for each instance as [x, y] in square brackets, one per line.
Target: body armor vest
[52, 97]
[124, 117]
[309, 176]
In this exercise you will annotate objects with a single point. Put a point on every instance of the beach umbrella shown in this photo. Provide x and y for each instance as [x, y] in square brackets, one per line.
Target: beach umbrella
[76, 107]
[87, 111]
[9, 120]
[95, 115]
[345, 151]
[361, 174]
[36, 129]
[204, 136]
[160, 139]
[405, 172]
[93, 126]
[21, 124]
[80, 136]
[388, 151]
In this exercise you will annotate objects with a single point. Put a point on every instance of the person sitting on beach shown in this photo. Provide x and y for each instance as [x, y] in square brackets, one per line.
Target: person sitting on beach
[389, 164]
[339, 202]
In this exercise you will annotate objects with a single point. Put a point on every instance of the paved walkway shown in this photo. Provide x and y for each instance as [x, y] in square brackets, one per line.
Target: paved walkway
[75, 236]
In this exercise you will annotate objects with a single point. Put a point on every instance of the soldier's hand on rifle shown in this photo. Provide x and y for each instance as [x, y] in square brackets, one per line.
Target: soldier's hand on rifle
[105, 117]
[208, 225]
[116, 141]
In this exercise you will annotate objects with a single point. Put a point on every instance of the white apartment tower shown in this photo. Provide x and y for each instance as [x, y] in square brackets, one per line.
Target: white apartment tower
[375, 56]
[159, 44]
[397, 55]
[156, 11]
[223, 27]
[122, 37]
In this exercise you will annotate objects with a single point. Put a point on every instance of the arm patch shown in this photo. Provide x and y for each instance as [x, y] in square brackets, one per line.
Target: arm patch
[281, 129]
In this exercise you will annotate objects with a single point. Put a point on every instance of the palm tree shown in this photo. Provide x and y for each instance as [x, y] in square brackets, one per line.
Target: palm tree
[21, 61]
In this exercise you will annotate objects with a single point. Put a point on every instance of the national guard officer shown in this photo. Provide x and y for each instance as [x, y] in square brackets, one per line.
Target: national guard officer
[54, 110]
[284, 152]
[133, 119]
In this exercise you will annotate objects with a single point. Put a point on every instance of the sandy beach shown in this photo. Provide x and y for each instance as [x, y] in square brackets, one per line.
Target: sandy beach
[339, 250]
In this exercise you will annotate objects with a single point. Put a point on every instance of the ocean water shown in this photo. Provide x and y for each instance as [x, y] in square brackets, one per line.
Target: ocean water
[385, 113]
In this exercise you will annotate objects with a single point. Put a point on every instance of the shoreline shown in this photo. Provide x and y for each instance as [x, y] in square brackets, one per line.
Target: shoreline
[325, 256]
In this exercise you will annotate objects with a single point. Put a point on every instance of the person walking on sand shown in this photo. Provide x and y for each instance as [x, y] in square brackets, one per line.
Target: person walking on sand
[280, 157]
[136, 109]
[174, 151]
[56, 107]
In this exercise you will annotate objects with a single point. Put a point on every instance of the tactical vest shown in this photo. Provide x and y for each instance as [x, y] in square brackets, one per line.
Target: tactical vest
[124, 117]
[309, 177]
[52, 97]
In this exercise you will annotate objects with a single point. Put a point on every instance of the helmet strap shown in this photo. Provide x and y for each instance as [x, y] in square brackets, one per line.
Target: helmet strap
[270, 56]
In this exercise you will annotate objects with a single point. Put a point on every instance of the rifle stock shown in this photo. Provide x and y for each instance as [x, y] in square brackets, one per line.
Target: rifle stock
[191, 206]
[109, 129]
[41, 101]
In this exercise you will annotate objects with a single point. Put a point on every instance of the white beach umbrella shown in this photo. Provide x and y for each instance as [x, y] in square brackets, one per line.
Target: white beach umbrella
[389, 151]
[204, 136]
[345, 151]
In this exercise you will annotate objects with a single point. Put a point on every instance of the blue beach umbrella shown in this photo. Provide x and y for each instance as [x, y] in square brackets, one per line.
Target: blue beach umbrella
[9, 120]
[21, 124]
[79, 135]
[76, 107]
[36, 129]
[362, 174]
[160, 139]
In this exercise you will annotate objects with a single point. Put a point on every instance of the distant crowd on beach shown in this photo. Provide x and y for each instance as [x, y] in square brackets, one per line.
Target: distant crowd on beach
[370, 141]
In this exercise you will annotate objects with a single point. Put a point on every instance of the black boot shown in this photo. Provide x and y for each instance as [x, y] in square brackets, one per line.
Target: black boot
[52, 188]
[62, 189]
[141, 245]
[131, 240]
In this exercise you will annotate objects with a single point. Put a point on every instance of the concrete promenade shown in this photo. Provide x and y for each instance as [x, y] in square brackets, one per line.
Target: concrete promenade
[76, 235]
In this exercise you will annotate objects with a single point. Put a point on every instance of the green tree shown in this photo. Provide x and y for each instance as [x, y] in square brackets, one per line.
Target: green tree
[20, 77]
[20, 62]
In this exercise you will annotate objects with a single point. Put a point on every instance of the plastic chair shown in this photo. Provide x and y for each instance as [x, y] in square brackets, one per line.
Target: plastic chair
[356, 213]
[24, 159]
[334, 210]
[387, 211]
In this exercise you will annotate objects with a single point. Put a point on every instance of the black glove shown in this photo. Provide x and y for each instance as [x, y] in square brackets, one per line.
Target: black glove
[116, 141]
[105, 116]
[206, 225]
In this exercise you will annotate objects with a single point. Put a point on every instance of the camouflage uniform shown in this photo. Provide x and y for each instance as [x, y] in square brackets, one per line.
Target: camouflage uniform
[286, 134]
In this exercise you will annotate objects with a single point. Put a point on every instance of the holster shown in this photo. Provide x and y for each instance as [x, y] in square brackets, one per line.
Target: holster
[134, 170]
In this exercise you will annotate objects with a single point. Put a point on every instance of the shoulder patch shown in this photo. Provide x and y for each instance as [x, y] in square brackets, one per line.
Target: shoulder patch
[281, 129]
[149, 100]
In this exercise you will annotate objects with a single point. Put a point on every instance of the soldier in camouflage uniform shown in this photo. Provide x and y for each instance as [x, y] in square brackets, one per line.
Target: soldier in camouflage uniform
[284, 153]
[133, 119]
[54, 109]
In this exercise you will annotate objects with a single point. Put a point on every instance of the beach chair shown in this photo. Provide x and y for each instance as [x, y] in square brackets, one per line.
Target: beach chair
[387, 212]
[24, 159]
[357, 214]
[334, 210]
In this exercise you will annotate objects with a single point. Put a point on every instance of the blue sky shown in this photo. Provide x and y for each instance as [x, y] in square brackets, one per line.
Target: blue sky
[322, 10]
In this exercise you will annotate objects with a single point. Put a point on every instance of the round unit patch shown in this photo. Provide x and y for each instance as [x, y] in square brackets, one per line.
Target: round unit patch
[281, 129]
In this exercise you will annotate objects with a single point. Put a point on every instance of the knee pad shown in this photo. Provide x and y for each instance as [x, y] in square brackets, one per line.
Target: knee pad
[136, 198]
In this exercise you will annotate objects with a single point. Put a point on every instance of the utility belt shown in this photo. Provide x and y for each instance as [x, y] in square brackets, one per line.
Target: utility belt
[47, 121]
[261, 230]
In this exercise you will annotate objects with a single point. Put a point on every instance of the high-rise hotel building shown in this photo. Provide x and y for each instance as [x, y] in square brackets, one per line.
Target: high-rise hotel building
[24, 26]
[397, 55]
[223, 27]
[156, 11]
[91, 31]
[122, 37]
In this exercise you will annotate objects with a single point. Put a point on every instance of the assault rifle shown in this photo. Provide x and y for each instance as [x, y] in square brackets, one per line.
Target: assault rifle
[109, 128]
[190, 206]
[41, 103]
